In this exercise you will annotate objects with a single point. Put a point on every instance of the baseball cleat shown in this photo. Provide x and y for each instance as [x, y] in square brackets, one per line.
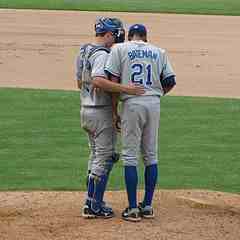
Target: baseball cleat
[103, 212]
[106, 207]
[87, 212]
[131, 214]
[146, 211]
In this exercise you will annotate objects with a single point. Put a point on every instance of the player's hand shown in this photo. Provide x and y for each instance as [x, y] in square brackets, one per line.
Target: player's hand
[117, 122]
[134, 89]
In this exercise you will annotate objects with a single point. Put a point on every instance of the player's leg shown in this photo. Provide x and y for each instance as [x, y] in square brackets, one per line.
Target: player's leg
[103, 165]
[105, 140]
[89, 125]
[108, 133]
[149, 148]
[132, 123]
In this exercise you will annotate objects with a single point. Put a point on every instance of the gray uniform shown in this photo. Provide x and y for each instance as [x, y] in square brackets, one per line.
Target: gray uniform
[96, 108]
[140, 63]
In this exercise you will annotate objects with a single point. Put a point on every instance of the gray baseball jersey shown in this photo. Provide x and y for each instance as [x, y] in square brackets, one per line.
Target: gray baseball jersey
[89, 65]
[141, 63]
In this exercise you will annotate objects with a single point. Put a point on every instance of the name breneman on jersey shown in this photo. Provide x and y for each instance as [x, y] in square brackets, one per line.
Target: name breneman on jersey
[142, 54]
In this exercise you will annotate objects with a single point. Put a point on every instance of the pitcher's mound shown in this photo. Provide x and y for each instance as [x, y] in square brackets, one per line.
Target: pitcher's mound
[181, 214]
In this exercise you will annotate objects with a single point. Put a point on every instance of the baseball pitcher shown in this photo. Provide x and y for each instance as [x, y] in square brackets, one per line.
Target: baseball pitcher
[140, 62]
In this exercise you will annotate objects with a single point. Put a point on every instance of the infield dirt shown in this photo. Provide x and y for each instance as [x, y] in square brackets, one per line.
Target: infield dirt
[38, 50]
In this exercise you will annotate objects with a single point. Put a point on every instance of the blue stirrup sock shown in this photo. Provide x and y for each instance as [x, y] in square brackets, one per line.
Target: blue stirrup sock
[131, 181]
[151, 174]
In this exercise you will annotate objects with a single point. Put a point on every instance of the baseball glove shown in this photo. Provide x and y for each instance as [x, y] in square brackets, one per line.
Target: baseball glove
[168, 83]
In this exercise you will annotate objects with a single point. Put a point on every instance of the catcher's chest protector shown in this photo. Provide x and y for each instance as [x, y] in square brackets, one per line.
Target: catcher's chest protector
[84, 68]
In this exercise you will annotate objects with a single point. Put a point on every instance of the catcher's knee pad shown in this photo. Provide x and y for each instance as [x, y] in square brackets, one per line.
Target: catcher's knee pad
[95, 177]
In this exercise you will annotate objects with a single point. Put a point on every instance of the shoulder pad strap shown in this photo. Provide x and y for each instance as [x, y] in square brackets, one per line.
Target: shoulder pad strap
[96, 49]
[83, 49]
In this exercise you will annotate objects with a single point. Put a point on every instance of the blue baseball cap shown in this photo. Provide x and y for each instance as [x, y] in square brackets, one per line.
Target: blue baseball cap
[137, 28]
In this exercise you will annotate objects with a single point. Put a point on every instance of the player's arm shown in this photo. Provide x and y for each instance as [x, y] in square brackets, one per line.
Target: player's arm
[106, 85]
[115, 96]
[116, 116]
[115, 100]
[99, 77]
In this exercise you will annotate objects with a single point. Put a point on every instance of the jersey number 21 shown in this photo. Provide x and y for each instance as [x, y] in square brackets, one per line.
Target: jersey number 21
[141, 74]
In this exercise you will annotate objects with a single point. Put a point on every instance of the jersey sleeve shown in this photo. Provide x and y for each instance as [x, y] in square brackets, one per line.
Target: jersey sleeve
[167, 69]
[112, 66]
[98, 61]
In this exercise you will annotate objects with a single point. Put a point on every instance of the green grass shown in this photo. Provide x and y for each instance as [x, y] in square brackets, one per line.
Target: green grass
[43, 147]
[223, 7]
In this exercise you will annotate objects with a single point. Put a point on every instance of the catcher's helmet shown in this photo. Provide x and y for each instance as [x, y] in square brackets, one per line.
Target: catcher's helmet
[113, 25]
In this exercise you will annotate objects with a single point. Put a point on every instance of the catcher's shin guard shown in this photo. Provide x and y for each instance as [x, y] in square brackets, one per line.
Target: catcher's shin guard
[96, 185]
[92, 180]
[100, 184]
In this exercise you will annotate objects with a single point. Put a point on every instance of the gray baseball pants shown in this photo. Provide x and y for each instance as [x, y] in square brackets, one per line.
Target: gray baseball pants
[97, 122]
[140, 124]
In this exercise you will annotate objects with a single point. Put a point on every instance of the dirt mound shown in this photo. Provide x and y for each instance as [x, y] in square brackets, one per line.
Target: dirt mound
[179, 215]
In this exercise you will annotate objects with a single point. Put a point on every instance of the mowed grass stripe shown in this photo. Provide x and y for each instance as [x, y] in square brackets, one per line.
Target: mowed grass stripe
[43, 147]
[223, 7]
